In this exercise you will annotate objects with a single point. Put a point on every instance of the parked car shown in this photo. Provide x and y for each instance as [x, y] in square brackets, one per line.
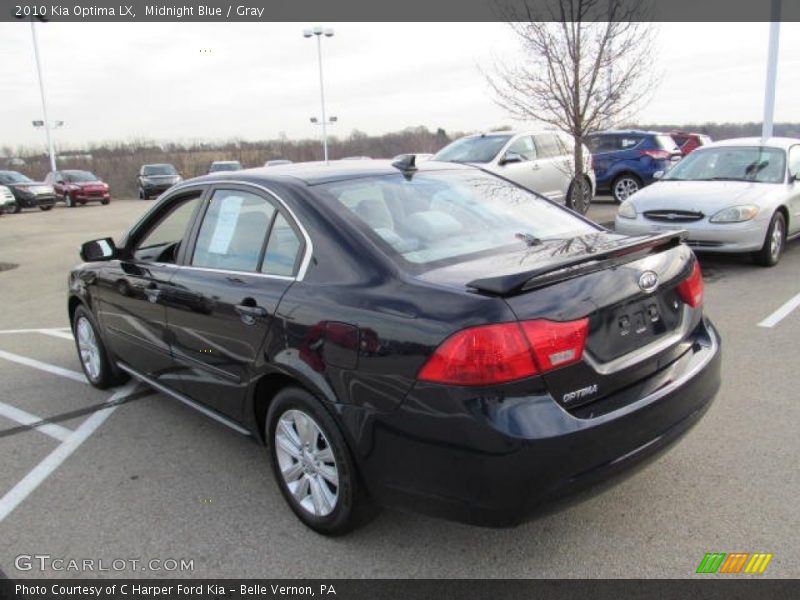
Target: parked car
[8, 204]
[541, 161]
[27, 192]
[155, 179]
[432, 337]
[276, 162]
[627, 160]
[357, 158]
[689, 141]
[75, 187]
[740, 195]
[225, 165]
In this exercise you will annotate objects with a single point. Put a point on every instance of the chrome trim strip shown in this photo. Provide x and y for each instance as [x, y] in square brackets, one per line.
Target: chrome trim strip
[636, 356]
[245, 273]
[309, 247]
[185, 400]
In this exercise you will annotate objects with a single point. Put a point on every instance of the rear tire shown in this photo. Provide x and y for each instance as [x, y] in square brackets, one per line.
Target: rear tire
[576, 201]
[92, 353]
[17, 208]
[46, 208]
[142, 194]
[624, 186]
[313, 465]
[774, 242]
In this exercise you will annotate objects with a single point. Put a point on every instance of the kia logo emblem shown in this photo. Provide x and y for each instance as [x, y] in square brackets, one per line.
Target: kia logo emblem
[648, 281]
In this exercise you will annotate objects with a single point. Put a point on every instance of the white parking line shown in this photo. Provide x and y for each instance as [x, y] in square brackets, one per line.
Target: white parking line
[42, 366]
[25, 418]
[65, 335]
[32, 480]
[781, 313]
[11, 331]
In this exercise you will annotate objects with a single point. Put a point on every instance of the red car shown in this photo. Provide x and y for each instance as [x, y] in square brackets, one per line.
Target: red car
[689, 141]
[75, 187]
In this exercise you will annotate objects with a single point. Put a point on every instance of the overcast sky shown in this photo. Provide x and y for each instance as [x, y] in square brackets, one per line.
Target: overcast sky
[119, 81]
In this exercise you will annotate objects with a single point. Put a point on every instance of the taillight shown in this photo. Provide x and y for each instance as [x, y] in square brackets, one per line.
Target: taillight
[492, 354]
[690, 289]
[656, 154]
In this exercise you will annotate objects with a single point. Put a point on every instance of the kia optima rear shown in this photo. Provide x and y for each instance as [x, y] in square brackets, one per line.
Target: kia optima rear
[423, 336]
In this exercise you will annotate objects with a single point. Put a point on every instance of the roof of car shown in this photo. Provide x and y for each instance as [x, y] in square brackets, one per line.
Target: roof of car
[510, 133]
[628, 132]
[313, 173]
[776, 142]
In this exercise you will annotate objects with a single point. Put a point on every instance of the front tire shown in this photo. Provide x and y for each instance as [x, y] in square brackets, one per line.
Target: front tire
[92, 352]
[68, 201]
[774, 242]
[624, 186]
[312, 464]
[142, 194]
[46, 208]
[105, 202]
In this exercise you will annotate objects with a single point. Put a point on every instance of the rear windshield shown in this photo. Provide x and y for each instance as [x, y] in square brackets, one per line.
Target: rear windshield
[665, 142]
[159, 170]
[731, 163]
[443, 217]
[473, 149]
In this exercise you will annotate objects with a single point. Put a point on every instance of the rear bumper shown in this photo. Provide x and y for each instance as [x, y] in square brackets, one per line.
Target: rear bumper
[704, 236]
[499, 458]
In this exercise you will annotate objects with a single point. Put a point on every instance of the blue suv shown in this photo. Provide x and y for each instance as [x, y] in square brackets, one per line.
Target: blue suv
[626, 160]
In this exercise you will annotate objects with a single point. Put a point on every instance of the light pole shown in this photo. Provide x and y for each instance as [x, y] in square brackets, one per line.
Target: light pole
[772, 68]
[50, 146]
[51, 136]
[318, 32]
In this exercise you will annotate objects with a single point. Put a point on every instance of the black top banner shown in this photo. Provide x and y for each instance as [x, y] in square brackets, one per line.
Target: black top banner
[398, 589]
[131, 11]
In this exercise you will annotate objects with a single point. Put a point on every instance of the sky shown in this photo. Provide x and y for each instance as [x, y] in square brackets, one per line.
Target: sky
[220, 81]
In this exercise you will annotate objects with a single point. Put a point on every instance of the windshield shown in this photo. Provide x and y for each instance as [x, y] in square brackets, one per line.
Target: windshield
[731, 163]
[160, 170]
[449, 215]
[473, 149]
[77, 176]
[13, 177]
[225, 166]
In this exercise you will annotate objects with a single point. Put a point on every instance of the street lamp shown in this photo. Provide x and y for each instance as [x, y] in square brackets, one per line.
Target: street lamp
[318, 32]
[48, 127]
[44, 102]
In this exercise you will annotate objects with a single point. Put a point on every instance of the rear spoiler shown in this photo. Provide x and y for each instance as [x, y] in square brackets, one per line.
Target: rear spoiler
[504, 285]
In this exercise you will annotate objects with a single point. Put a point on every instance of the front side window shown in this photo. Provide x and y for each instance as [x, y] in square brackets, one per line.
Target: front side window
[602, 143]
[445, 216]
[522, 147]
[478, 149]
[161, 241]
[233, 231]
[731, 163]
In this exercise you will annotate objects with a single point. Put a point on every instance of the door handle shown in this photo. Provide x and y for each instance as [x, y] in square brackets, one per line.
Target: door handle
[152, 292]
[249, 311]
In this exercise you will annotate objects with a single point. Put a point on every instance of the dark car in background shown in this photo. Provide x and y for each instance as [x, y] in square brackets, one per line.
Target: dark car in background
[155, 179]
[27, 192]
[224, 165]
[425, 336]
[75, 187]
[689, 141]
[627, 160]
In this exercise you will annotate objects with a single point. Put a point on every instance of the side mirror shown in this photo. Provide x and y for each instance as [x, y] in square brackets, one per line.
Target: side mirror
[96, 250]
[794, 177]
[510, 157]
[658, 174]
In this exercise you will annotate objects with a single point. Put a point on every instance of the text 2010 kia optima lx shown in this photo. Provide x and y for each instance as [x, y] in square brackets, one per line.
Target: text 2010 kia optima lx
[433, 338]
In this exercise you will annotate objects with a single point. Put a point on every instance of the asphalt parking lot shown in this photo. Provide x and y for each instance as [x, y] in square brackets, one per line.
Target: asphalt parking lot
[145, 478]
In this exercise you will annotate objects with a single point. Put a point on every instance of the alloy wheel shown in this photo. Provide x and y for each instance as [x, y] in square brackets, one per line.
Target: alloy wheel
[307, 463]
[624, 188]
[776, 241]
[88, 348]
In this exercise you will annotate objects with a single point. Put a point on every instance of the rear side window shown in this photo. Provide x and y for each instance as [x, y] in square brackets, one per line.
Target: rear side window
[283, 249]
[549, 146]
[446, 216]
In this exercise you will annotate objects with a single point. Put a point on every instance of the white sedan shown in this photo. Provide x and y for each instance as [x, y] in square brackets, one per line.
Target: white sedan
[740, 195]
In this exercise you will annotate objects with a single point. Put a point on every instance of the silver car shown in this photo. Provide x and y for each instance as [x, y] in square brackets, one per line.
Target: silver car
[540, 161]
[740, 195]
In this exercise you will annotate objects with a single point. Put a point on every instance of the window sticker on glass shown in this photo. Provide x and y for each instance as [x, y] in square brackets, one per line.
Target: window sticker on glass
[229, 210]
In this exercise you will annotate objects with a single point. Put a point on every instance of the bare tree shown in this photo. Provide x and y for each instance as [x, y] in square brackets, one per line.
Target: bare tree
[588, 64]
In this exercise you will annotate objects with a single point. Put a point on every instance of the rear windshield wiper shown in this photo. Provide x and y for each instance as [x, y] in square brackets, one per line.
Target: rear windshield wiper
[529, 239]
